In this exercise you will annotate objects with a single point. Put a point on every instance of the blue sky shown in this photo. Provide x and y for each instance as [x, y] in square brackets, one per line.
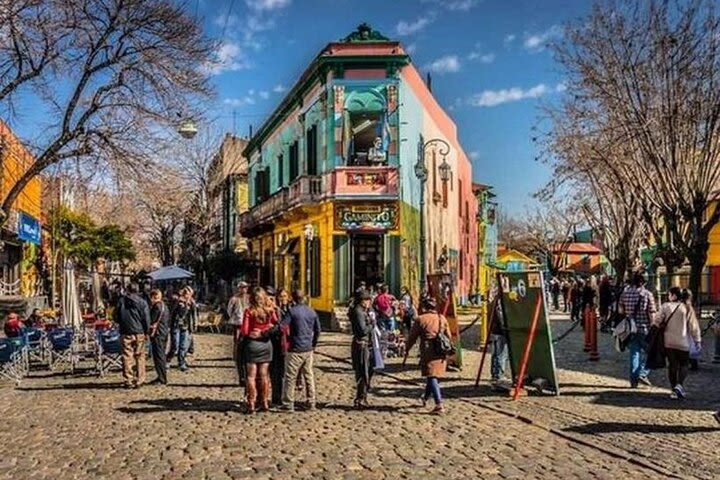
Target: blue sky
[487, 57]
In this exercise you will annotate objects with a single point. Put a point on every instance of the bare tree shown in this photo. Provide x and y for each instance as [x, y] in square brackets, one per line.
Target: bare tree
[646, 75]
[127, 69]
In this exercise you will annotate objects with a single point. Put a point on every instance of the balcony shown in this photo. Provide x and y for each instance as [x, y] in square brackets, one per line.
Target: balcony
[304, 190]
[356, 182]
[361, 181]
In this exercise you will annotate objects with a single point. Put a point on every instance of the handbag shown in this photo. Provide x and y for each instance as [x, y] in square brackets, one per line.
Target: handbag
[441, 343]
[656, 355]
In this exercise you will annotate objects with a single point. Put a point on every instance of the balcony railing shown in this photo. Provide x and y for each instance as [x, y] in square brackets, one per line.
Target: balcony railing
[343, 182]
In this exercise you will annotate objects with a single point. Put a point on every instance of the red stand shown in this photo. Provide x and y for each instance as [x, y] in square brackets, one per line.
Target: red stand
[528, 347]
[586, 327]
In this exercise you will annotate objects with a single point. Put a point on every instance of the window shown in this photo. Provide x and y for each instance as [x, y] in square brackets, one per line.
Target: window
[365, 138]
[294, 161]
[311, 150]
[281, 171]
[460, 196]
[262, 185]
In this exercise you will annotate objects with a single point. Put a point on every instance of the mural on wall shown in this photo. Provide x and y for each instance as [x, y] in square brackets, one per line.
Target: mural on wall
[409, 230]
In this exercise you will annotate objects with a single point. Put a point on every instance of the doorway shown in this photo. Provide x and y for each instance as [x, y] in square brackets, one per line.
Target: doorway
[367, 259]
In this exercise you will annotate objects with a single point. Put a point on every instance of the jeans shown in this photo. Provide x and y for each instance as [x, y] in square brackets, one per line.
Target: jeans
[499, 357]
[638, 356]
[387, 323]
[432, 387]
[181, 345]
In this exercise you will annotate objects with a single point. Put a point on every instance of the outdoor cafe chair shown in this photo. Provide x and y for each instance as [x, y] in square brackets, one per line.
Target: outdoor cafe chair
[11, 361]
[37, 346]
[109, 351]
[63, 349]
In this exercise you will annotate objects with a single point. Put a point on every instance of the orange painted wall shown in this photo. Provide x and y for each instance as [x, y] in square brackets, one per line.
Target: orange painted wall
[15, 161]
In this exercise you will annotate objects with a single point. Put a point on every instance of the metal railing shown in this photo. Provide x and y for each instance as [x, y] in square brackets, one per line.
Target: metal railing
[10, 289]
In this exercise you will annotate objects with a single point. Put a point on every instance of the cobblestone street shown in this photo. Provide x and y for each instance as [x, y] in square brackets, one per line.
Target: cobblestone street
[83, 426]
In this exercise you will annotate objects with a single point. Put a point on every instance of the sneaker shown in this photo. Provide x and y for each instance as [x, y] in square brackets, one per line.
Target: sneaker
[286, 409]
[645, 381]
[438, 410]
[674, 395]
[311, 407]
[679, 391]
[423, 400]
[716, 416]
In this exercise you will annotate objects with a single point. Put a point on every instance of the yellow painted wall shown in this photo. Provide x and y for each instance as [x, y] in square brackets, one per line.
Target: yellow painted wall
[713, 259]
[15, 161]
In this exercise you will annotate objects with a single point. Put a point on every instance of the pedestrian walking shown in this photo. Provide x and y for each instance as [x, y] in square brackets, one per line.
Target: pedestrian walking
[695, 348]
[555, 293]
[637, 303]
[363, 361]
[576, 301]
[194, 315]
[498, 340]
[565, 288]
[183, 318]
[159, 327]
[279, 338]
[303, 334]
[680, 327]
[236, 311]
[429, 325]
[605, 299]
[408, 308]
[133, 319]
[260, 317]
[383, 305]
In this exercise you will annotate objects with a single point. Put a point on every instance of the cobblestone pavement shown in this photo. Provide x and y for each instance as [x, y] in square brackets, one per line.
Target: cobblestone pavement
[596, 405]
[85, 427]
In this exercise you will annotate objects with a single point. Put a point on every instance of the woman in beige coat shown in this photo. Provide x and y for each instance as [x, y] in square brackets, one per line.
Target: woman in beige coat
[681, 328]
[425, 328]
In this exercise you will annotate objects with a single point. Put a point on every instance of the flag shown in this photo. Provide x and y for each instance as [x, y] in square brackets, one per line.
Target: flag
[383, 131]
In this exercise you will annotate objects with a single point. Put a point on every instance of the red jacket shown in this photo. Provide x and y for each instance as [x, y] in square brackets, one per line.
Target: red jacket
[13, 327]
[251, 322]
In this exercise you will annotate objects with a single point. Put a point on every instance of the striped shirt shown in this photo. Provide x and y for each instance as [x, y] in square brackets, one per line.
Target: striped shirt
[638, 303]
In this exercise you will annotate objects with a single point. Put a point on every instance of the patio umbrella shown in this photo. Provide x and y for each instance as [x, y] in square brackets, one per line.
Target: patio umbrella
[70, 300]
[171, 272]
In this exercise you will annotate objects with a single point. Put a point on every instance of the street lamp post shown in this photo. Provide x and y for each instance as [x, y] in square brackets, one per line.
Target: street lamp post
[421, 172]
[309, 234]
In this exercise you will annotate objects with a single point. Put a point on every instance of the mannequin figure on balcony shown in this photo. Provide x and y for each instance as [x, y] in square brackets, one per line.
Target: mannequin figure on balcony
[376, 154]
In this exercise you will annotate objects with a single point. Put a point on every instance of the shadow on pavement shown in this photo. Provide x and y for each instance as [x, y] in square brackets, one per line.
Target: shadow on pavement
[617, 427]
[195, 404]
[370, 408]
[645, 399]
[74, 386]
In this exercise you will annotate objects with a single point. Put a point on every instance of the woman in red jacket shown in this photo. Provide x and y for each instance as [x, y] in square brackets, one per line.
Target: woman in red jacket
[259, 317]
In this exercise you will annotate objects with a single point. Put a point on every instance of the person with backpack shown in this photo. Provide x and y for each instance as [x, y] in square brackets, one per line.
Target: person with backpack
[637, 303]
[429, 328]
[679, 326]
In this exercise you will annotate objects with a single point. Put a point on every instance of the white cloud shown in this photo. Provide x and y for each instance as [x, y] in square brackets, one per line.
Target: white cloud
[474, 155]
[411, 48]
[538, 41]
[560, 87]
[239, 102]
[268, 5]
[279, 88]
[264, 94]
[446, 64]
[509, 38]
[251, 92]
[492, 98]
[404, 28]
[228, 58]
[481, 57]
[462, 5]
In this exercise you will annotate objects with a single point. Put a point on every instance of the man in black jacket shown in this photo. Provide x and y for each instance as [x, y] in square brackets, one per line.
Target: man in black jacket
[362, 359]
[160, 318]
[304, 334]
[133, 318]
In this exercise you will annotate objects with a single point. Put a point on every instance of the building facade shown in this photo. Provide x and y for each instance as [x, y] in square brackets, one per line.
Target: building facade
[228, 194]
[20, 235]
[334, 198]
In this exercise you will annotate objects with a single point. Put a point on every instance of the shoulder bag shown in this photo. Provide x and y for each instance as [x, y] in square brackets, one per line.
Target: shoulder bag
[441, 343]
[656, 355]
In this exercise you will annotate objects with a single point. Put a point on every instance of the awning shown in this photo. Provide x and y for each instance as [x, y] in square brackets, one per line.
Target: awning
[172, 272]
[287, 247]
